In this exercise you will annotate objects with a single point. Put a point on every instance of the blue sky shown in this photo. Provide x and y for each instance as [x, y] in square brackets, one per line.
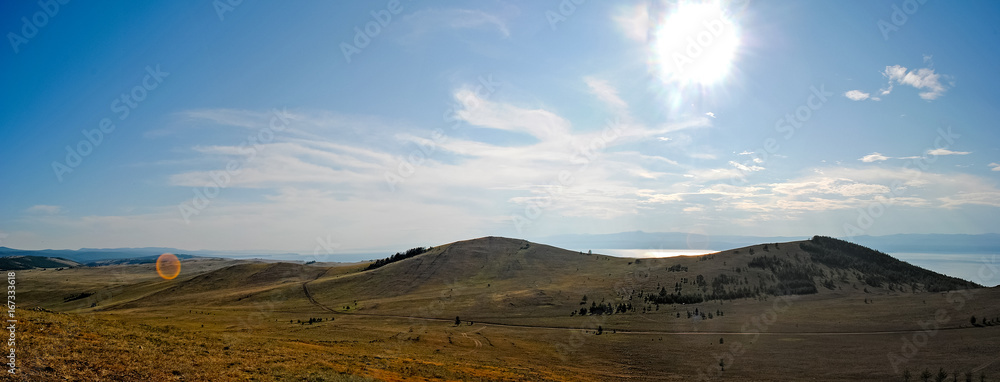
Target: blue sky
[274, 126]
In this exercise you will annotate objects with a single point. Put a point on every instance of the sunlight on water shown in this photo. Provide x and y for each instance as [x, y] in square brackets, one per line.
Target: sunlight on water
[650, 253]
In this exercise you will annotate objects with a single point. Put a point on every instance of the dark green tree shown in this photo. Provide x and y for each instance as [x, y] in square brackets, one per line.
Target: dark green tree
[926, 375]
[457, 321]
[941, 375]
[599, 330]
[973, 320]
[907, 375]
[722, 364]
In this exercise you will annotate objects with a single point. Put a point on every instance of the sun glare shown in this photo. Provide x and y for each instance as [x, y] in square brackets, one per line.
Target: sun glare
[168, 266]
[695, 43]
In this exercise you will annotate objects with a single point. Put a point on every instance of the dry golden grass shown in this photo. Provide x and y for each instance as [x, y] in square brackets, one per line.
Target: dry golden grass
[220, 322]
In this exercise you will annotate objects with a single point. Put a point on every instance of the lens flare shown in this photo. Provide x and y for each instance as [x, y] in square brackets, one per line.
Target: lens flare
[168, 266]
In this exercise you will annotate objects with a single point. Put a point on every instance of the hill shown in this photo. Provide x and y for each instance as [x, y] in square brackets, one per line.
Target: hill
[504, 277]
[507, 309]
[512, 278]
[229, 285]
[10, 263]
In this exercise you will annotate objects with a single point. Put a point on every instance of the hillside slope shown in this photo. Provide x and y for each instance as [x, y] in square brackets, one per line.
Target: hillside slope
[230, 285]
[10, 263]
[511, 277]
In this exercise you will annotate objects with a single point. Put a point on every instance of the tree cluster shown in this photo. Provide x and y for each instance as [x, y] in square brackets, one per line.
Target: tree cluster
[311, 320]
[792, 277]
[942, 376]
[398, 256]
[878, 268]
[677, 268]
[673, 298]
[607, 308]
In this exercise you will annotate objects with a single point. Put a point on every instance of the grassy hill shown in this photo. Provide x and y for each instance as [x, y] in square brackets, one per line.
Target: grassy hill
[527, 311]
[503, 278]
[511, 277]
[230, 285]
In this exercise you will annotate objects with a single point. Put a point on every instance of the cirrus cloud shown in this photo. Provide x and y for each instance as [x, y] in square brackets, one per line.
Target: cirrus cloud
[44, 209]
[947, 152]
[856, 95]
[873, 157]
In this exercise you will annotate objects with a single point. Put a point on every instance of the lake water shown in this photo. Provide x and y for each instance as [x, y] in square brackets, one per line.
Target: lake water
[647, 253]
[979, 268]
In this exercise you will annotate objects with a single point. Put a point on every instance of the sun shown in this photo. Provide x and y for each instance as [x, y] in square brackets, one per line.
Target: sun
[695, 43]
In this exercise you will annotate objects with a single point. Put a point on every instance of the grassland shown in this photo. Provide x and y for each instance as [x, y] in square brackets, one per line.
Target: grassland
[236, 320]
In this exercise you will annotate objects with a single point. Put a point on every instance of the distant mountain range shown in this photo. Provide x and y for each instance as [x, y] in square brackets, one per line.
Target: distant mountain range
[13, 263]
[908, 243]
[109, 256]
[90, 255]
[915, 243]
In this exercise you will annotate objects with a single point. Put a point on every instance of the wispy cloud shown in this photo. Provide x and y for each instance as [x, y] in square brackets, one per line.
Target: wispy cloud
[634, 22]
[44, 209]
[991, 199]
[947, 152]
[702, 155]
[428, 19]
[923, 79]
[873, 157]
[745, 168]
[856, 95]
[605, 92]
[830, 189]
[328, 170]
[539, 123]
[994, 166]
